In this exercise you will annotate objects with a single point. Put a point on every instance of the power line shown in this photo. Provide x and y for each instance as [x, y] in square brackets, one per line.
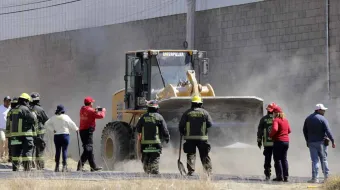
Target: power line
[32, 3]
[33, 9]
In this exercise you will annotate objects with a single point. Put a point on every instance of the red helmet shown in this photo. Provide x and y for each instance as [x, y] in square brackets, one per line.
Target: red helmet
[88, 100]
[271, 107]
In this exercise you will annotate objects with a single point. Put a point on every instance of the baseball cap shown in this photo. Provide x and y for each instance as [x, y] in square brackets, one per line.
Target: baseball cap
[277, 109]
[320, 107]
[88, 99]
[7, 98]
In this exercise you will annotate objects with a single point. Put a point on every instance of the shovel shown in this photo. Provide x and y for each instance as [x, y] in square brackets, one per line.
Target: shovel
[180, 165]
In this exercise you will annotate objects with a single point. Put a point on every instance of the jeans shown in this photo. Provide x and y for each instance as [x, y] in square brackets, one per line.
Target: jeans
[280, 159]
[318, 151]
[61, 144]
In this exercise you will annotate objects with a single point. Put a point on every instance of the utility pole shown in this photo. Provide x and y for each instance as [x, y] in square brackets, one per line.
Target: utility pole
[190, 37]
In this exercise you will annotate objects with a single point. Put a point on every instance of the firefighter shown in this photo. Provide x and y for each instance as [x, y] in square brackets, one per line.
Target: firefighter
[14, 103]
[39, 142]
[88, 116]
[193, 126]
[22, 133]
[263, 132]
[151, 128]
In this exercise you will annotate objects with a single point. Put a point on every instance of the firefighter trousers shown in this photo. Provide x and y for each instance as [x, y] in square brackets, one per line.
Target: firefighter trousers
[151, 162]
[22, 151]
[9, 150]
[268, 153]
[39, 151]
[189, 147]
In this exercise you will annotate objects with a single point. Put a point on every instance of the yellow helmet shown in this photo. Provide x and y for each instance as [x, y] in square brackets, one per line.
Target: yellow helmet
[196, 99]
[25, 96]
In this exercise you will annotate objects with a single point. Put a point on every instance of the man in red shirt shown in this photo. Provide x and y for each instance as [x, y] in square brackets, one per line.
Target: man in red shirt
[88, 116]
[280, 136]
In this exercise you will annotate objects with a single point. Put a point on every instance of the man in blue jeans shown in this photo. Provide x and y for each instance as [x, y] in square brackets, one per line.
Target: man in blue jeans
[317, 134]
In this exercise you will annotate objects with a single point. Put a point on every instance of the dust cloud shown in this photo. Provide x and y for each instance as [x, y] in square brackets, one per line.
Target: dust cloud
[295, 82]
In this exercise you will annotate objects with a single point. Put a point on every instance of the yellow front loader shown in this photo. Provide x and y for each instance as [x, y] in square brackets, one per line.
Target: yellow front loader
[169, 76]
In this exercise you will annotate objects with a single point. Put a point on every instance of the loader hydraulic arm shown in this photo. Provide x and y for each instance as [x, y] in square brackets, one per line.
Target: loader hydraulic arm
[195, 87]
[186, 89]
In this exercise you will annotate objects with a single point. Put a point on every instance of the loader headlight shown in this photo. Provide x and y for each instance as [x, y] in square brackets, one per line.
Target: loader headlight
[145, 55]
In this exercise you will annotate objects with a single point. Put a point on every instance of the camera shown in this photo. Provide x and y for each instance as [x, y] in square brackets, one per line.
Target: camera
[99, 109]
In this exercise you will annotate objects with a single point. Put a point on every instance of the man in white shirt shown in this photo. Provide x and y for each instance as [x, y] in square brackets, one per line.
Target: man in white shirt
[3, 141]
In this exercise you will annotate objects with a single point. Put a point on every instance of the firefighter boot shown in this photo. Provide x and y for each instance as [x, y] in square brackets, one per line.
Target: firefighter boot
[27, 165]
[267, 172]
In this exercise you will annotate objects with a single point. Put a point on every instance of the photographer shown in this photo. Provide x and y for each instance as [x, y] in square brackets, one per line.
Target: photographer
[88, 116]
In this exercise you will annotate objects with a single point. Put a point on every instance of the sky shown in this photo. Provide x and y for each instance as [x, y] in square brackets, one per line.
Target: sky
[87, 13]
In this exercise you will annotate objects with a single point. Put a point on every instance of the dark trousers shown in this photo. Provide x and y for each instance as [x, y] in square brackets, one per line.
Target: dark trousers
[22, 150]
[268, 153]
[151, 162]
[86, 137]
[9, 150]
[189, 147]
[280, 158]
[39, 151]
[61, 143]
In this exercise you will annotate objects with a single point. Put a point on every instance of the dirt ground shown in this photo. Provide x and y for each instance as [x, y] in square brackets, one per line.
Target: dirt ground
[24, 184]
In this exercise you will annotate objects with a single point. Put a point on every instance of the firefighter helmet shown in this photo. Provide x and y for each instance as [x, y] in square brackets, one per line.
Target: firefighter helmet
[35, 96]
[25, 96]
[152, 104]
[196, 99]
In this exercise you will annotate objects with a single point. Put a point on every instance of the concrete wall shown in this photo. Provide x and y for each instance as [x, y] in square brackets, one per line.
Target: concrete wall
[273, 49]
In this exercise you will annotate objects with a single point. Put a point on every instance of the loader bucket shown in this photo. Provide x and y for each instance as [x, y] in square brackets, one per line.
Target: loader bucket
[235, 118]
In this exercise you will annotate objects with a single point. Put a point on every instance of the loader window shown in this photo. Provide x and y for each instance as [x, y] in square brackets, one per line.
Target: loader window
[173, 66]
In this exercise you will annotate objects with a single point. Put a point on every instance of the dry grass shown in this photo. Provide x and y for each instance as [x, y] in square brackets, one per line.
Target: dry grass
[153, 184]
[333, 183]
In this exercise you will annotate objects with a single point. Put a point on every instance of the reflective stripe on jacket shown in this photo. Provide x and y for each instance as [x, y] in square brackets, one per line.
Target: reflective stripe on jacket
[194, 124]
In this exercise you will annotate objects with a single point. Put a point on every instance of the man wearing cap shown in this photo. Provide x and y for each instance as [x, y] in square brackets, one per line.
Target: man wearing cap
[264, 129]
[317, 132]
[3, 141]
[88, 116]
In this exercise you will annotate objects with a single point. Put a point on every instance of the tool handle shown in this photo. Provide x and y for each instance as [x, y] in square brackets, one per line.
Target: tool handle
[78, 144]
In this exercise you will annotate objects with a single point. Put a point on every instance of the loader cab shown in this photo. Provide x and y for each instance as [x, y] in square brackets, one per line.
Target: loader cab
[148, 72]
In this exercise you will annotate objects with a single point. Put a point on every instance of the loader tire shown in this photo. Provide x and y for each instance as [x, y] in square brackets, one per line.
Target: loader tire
[115, 143]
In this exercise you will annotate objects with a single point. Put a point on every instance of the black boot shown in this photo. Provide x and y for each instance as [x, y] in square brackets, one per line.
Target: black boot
[277, 179]
[285, 179]
[96, 169]
[27, 165]
[80, 166]
[56, 167]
